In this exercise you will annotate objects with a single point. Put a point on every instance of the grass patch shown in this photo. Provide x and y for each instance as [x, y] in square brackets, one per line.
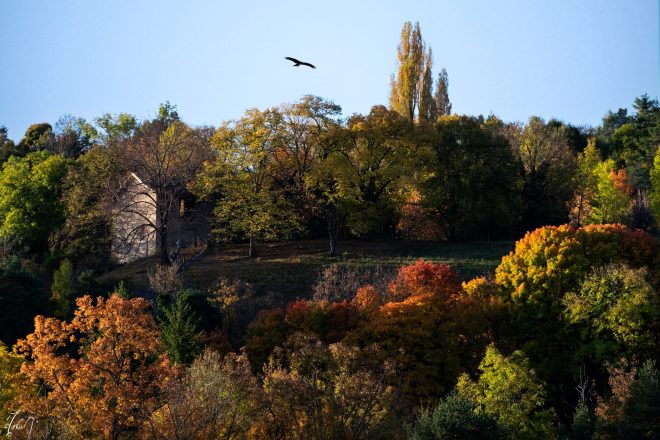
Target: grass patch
[288, 270]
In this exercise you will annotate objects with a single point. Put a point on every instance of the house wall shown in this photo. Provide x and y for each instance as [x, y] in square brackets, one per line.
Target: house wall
[188, 223]
[131, 240]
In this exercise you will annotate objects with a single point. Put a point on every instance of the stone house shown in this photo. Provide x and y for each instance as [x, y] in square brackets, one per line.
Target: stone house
[133, 233]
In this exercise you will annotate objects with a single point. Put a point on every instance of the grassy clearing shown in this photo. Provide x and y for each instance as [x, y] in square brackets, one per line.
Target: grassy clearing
[289, 270]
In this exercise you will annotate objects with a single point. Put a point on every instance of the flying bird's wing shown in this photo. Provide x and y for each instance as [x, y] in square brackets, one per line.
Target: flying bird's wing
[299, 63]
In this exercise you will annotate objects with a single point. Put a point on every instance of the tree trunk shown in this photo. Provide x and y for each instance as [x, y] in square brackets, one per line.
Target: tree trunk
[161, 223]
[334, 228]
[253, 248]
[333, 245]
[579, 214]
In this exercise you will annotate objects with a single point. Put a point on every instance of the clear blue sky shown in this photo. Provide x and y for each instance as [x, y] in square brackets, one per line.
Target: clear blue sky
[568, 59]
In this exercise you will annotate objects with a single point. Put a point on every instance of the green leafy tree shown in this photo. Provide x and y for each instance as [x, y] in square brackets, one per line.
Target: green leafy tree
[38, 137]
[372, 156]
[611, 122]
[617, 309]
[632, 140]
[586, 183]
[7, 147]
[11, 382]
[302, 147]
[30, 190]
[113, 128]
[612, 199]
[549, 167]
[85, 235]
[509, 390]
[73, 136]
[470, 184]
[167, 113]
[583, 426]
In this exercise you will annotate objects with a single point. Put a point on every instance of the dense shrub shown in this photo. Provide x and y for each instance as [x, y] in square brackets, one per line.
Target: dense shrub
[455, 418]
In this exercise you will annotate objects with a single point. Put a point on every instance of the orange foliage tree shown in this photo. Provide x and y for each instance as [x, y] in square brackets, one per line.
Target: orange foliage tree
[329, 321]
[434, 334]
[552, 260]
[422, 278]
[101, 373]
[316, 391]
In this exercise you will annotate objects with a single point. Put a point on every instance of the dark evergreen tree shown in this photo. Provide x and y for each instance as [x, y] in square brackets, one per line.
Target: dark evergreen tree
[179, 328]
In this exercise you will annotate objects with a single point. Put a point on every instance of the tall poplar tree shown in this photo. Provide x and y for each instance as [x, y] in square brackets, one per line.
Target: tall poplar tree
[408, 83]
[427, 104]
[441, 97]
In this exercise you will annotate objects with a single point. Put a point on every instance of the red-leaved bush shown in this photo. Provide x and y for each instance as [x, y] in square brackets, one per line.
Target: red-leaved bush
[422, 278]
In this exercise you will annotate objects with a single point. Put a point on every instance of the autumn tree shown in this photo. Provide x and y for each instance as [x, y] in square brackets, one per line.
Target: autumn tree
[433, 335]
[409, 87]
[424, 278]
[428, 110]
[165, 154]
[248, 205]
[630, 409]
[536, 278]
[551, 261]
[215, 398]
[315, 391]
[101, 373]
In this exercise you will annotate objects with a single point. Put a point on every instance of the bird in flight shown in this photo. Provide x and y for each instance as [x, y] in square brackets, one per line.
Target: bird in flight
[299, 63]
